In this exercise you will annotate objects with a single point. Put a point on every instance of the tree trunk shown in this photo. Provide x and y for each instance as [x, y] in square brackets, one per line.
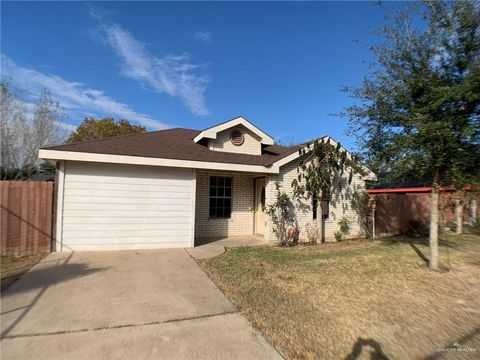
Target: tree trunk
[442, 220]
[473, 209]
[434, 215]
[320, 218]
[374, 230]
[459, 204]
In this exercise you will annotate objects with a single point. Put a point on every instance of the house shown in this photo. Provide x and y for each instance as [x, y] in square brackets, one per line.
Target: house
[166, 188]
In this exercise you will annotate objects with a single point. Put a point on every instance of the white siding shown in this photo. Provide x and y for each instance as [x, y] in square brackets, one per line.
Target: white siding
[251, 144]
[114, 207]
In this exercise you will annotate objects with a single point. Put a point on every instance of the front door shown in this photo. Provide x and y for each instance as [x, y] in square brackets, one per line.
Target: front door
[260, 206]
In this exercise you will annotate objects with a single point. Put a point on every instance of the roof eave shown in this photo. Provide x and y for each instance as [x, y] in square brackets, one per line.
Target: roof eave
[60, 155]
[370, 175]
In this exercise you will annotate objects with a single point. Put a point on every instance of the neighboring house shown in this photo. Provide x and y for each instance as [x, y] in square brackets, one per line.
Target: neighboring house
[166, 188]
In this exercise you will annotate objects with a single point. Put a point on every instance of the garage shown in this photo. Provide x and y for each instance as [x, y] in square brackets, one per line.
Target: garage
[119, 207]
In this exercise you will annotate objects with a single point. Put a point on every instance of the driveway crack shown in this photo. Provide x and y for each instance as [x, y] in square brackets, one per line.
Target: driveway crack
[63, 332]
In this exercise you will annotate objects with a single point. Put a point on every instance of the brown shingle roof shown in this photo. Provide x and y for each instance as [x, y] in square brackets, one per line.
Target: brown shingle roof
[174, 144]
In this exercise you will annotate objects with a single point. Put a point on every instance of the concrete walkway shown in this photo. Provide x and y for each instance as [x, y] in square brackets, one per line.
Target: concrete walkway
[205, 248]
[153, 304]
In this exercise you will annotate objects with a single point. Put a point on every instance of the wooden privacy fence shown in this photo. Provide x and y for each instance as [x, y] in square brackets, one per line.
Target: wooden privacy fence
[399, 211]
[26, 217]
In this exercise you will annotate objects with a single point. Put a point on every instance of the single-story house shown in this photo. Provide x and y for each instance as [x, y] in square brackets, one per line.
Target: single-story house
[167, 188]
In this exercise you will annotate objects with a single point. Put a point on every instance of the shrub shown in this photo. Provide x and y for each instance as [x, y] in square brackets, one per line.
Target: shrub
[416, 229]
[344, 224]
[451, 225]
[363, 208]
[338, 236]
[474, 227]
[313, 233]
[283, 218]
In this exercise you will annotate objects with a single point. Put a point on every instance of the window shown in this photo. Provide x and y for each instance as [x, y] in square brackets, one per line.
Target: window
[220, 197]
[326, 207]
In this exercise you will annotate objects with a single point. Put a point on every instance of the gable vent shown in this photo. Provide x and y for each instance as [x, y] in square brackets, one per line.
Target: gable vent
[237, 138]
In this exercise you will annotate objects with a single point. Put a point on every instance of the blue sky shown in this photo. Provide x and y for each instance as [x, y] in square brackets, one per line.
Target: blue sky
[160, 64]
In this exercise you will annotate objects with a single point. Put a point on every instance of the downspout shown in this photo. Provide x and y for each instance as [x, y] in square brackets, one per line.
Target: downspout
[53, 212]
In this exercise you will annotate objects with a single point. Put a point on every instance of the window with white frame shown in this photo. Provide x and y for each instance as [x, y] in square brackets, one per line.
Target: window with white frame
[220, 197]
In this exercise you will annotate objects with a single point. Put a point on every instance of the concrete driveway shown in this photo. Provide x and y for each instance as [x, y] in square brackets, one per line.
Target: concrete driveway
[123, 305]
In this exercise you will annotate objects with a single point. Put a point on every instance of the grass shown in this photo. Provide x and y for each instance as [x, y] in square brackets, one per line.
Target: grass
[357, 298]
[13, 267]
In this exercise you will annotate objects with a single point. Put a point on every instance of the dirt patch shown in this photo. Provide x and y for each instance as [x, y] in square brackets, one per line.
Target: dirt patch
[13, 267]
[357, 299]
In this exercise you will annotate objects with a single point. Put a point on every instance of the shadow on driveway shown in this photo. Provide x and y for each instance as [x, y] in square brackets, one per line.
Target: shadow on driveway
[40, 278]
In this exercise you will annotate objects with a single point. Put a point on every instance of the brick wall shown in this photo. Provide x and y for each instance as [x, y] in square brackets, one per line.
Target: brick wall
[241, 220]
[339, 204]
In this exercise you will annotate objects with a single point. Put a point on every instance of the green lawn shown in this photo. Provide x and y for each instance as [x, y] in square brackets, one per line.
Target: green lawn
[357, 298]
[13, 267]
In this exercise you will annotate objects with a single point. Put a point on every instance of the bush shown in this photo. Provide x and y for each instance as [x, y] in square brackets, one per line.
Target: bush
[313, 233]
[451, 225]
[344, 224]
[416, 229]
[338, 236]
[363, 208]
[474, 228]
[283, 218]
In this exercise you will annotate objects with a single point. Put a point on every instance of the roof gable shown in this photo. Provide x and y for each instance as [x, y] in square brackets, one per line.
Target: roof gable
[212, 132]
[302, 148]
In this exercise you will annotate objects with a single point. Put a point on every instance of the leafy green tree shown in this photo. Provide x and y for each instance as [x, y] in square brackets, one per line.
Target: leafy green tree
[417, 113]
[94, 129]
[323, 162]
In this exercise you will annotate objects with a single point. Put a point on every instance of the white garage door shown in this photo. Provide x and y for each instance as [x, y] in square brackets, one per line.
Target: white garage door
[114, 207]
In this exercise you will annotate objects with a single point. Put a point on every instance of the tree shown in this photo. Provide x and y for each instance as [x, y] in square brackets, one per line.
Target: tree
[363, 207]
[13, 119]
[323, 162]
[94, 129]
[22, 134]
[418, 111]
[283, 218]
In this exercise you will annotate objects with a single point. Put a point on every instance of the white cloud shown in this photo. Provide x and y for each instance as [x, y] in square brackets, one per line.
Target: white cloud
[174, 75]
[204, 36]
[77, 99]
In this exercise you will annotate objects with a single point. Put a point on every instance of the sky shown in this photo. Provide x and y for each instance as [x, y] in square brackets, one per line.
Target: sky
[281, 65]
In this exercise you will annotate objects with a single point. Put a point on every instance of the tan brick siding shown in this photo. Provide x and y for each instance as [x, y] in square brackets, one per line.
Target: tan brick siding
[339, 205]
[241, 220]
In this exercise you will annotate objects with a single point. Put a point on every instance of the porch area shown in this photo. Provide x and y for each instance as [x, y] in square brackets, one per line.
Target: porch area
[229, 208]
